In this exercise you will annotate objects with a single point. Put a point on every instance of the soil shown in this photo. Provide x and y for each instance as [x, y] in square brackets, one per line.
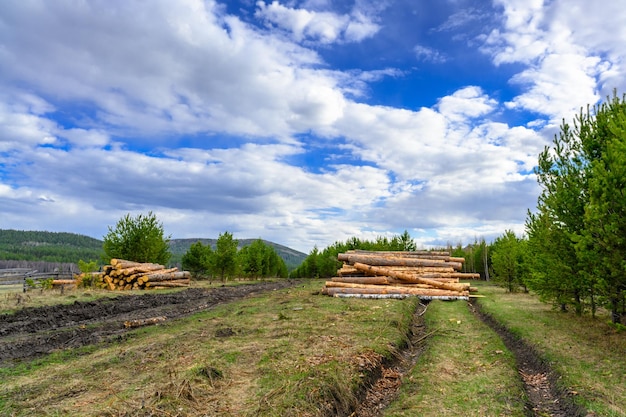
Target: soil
[32, 332]
[546, 396]
[384, 388]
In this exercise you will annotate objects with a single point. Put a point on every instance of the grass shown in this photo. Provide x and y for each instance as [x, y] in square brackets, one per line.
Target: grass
[295, 353]
[464, 371]
[284, 353]
[587, 352]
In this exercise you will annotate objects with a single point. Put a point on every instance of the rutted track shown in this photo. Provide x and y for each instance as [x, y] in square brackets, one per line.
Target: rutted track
[32, 332]
[545, 396]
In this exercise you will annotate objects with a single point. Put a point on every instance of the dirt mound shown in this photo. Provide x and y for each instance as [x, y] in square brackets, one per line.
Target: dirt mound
[31, 332]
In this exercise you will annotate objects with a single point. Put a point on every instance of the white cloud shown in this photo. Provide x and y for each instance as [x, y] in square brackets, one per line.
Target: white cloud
[109, 92]
[568, 63]
[200, 71]
[429, 54]
[318, 26]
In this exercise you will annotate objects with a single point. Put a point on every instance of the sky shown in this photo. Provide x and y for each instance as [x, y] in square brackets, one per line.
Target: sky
[300, 122]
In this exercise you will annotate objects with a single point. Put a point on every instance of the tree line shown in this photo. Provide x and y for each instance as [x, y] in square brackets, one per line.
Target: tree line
[142, 239]
[257, 260]
[52, 247]
[573, 252]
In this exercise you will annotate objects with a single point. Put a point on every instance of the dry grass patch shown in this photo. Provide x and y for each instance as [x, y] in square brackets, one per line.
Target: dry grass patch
[587, 352]
[287, 352]
[464, 371]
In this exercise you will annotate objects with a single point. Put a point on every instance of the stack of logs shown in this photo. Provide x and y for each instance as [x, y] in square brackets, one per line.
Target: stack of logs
[128, 275]
[425, 274]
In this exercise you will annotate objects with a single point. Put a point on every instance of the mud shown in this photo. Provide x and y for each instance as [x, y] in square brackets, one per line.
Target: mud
[385, 386]
[546, 396]
[32, 332]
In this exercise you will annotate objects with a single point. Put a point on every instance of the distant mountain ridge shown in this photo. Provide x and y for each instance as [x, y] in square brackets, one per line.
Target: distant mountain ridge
[71, 247]
[40, 246]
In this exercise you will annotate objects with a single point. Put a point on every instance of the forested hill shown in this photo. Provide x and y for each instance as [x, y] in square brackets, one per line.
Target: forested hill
[23, 245]
[48, 246]
[292, 257]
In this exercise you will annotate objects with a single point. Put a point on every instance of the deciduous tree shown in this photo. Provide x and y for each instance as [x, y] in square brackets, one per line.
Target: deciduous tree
[139, 239]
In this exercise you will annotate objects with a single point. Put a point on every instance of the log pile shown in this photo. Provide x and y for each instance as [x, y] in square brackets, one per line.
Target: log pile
[129, 275]
[425, 274]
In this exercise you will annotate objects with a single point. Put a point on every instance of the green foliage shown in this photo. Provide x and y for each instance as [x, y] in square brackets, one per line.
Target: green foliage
[508, 261]
[259, 260]
[197, 260]
[44, 284]
[87, 269]
[291, 257]
[48, 246]
[224, 258]
[577, 235]
[477, 257]
[256, 260]
[139, 239]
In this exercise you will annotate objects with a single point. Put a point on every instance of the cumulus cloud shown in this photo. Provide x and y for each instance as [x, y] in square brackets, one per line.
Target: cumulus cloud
[318, 26]
[199, 70]
[210, 121]
[568, 64]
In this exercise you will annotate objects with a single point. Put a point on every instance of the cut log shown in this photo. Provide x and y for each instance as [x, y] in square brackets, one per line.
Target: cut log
[109, 282]
[122, 263]
[165, 277]
[174, 283]
[364, 280]
[63, 282]
[144, 322]
[401, 253]
[138, 269]
[387, 261]
[411, 278]
[388, 289]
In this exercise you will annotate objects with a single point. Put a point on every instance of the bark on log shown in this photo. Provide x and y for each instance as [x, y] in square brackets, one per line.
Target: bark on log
[138, 269]
[144, 322]
[156, 272]
[174, 283]
[63, 281]
[411, 278]
[387, 289]
[364, 280]
[402, 253]
[422, 269]
[166, 277]
[385, 261]
[122, 263]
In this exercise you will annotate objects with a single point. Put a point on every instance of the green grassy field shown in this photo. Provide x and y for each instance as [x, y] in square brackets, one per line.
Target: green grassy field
[294, 352]
[464, 371]
[282, 353]
[589, 353]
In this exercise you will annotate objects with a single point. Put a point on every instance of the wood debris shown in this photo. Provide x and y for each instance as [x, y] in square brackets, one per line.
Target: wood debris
[378, 274]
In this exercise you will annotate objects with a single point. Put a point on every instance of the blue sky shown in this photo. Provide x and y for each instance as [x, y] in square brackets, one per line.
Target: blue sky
[300, 122]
